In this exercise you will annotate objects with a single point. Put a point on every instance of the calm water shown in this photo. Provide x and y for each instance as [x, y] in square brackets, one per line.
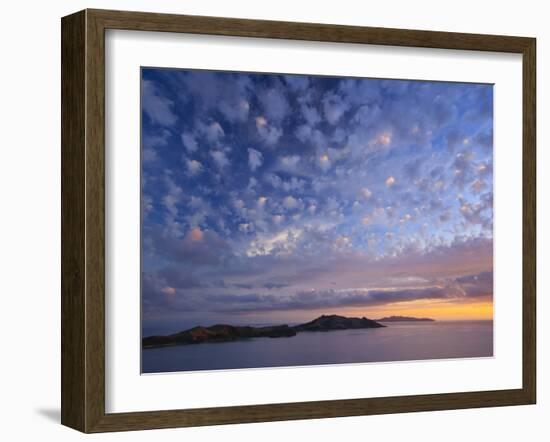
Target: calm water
[397, 342]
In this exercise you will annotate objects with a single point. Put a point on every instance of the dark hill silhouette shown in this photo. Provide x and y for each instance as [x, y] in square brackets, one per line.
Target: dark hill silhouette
[335, 322]
[226, 333]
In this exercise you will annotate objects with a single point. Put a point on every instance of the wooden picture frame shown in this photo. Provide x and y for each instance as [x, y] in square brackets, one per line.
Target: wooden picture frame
[83, 220]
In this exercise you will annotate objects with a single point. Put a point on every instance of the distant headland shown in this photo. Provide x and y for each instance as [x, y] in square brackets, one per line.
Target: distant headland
[403, 319]
[227, 333]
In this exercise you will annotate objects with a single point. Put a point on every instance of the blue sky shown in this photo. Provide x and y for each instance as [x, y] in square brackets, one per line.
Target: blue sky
[271, 198]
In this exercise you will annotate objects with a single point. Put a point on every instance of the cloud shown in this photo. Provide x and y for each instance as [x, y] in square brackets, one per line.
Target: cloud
[198, 248]
[274, 180]
[220, 159]
[278, 219]
[303, 132]
[456, 138]
[148, 155]
[484, 138]
[366, 193]
[146, 205]
[478, 185]
[273, 285]
[477, 213]
[476, 285]
[310, 114]
[485, 168]
[255, 159]
[289, 163]
[193, 167]
[178, 278]
[171, 200]
[382, 139]
[280, 243]
[367, 114]
[324, 162]
[151, 142]
[189, 142]
[334, 107]
[413, 168]
[235, 111]
[246, 228]
[293, 184]
[375, 175]
[455, 290]
[274, 103]
[209, 92]
[158, 108]
[170, 291]
[298, 83]
[289, 202]
[212, 131]
[463, 168]
[268, 133]
[195, 235]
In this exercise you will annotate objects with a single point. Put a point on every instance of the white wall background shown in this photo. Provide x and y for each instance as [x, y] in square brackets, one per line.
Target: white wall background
[30, 217]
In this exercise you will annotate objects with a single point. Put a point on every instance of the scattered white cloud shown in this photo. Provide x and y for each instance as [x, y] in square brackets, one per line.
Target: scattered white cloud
[169, 291]
[324, 162]
[219, 158]
[281, 243]
[382, 139]
[334, 107]
[289, 202]
[478, 185]
[246, 227]
[255, 159]
[189, 142]
[268, 133]
[213, 131]
[365, 191]
[274, 103]
[157, 107]
[289, 163]
[151, 142]
[343, 182]
[235, 110]
[193, 167]
[195, 235]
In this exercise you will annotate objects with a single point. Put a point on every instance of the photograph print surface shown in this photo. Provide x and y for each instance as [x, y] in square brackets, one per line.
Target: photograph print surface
[298, 220]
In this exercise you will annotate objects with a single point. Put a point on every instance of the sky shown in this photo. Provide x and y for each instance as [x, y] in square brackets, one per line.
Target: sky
[271, 198]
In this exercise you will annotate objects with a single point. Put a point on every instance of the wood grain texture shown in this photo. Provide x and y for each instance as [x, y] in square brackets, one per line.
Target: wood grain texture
[73, 129]
[83, 220]
[529, 220]
[144, 21]
[95, 222]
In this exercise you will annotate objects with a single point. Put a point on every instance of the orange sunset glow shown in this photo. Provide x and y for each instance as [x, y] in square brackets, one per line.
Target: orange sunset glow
[443, 311]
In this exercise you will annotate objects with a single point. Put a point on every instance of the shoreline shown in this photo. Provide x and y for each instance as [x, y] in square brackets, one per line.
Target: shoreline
[229, 333]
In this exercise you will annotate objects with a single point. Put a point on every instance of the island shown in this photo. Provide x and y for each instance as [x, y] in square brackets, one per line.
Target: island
[403, 319]
[227, 333]
[335, 322]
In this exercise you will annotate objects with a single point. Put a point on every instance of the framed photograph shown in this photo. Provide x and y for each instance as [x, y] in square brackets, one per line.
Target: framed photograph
[268, 221]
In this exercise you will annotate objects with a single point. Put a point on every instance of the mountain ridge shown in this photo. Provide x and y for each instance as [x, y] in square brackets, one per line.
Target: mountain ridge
[228, 333]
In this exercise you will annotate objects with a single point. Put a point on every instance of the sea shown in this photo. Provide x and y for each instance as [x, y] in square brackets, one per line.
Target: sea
[398, 341]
